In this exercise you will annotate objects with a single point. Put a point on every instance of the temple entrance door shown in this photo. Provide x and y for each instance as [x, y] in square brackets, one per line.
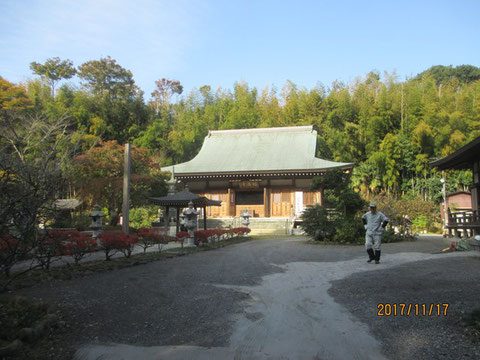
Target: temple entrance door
[250, 200]
[298, 202]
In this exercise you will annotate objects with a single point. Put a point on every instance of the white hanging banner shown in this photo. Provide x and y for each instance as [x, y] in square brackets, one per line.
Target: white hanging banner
[298, 202]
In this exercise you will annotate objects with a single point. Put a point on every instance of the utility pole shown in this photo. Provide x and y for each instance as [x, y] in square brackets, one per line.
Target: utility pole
[126, 190]
[444, 194]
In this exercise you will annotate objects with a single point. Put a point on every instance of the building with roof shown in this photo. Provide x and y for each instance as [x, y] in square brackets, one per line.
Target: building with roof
[268, 171]
[467, 157]
[460, 201]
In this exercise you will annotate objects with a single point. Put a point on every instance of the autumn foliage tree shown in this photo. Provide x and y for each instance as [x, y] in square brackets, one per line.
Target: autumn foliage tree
[12, 97]
[97, 176]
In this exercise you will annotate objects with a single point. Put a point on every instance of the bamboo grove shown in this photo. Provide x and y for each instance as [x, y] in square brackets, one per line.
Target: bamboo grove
[391, 128]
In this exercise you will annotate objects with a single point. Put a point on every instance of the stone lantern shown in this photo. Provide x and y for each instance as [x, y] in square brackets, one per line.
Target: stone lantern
[190, 223]
[245, 218]
[96, 224]
[182, 222]
[172, 190]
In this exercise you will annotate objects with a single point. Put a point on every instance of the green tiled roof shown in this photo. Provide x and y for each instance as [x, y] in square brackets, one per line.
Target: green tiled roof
[257, 150]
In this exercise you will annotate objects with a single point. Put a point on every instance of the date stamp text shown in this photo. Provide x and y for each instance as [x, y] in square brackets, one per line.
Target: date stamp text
[405, 309]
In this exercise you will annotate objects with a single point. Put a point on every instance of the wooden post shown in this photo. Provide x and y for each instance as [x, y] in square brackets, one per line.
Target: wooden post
[265, 202]
[445, 205]
[231, 200]
[205, 217]
[167, 220]
[229, 192]
[126, 190]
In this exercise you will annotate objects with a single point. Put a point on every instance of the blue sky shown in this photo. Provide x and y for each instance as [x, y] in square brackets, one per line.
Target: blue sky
[263, 43]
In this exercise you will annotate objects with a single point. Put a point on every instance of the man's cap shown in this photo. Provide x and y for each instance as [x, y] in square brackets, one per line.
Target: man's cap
[373, 204]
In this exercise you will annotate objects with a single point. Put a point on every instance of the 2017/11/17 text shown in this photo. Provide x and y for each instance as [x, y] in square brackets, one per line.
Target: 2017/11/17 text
[404, 309]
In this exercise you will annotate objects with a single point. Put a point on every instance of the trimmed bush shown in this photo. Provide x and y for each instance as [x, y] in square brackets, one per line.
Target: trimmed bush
[316, 223]
[212, 235]
[77, 247]
[389, 236]
[49, 245]
[349, 231]
[181, 236]
[149, 237]
[113, 241]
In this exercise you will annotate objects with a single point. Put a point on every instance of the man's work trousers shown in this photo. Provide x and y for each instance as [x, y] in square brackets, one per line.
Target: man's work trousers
[373, 241]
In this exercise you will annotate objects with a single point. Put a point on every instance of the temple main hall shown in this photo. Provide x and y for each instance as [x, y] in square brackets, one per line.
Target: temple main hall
[267, 171]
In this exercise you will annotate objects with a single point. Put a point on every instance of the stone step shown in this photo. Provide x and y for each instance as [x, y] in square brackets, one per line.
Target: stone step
[259, 226]
[255, 223]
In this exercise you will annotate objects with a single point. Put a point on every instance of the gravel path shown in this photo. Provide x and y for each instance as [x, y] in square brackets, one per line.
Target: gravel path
[267, 299]
[448, 280]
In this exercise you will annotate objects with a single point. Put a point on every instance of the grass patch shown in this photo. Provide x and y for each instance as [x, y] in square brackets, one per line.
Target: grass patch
[70, 271]
[18, 313]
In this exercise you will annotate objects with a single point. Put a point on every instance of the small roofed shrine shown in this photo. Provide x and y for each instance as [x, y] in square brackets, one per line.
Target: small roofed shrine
[267, 171]
[179, 201]
[467, 157]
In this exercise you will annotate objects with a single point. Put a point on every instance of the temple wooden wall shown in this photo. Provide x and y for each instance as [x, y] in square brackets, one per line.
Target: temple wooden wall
[277, 202]
[217, 211]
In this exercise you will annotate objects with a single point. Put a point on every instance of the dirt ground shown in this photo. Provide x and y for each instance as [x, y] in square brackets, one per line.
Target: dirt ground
[269, 299]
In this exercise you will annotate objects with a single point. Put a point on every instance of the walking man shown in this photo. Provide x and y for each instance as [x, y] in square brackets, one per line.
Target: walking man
[375, 222]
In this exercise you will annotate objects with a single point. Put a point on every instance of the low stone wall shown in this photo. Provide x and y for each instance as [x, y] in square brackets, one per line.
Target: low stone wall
[259, 226]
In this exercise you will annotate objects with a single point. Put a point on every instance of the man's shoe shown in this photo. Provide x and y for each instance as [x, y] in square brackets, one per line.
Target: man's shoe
[377, 261]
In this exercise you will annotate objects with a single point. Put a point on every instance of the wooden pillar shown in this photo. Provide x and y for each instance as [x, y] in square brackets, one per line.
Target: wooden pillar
[204, 217]
[231, 201]
[166, 219]
[266, 202]
[292, 202]
[269, 197]
[229, 192]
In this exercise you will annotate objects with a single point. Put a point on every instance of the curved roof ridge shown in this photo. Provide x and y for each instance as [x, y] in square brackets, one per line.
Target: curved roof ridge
[261, 130]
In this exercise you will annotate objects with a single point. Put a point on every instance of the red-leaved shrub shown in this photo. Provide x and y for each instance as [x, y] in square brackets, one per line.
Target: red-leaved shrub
[241, 231]
[200, 237]
[149, 237]
[10, 248]
[181, 236]
[49, 245]
[115, 240]
[77, 247]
